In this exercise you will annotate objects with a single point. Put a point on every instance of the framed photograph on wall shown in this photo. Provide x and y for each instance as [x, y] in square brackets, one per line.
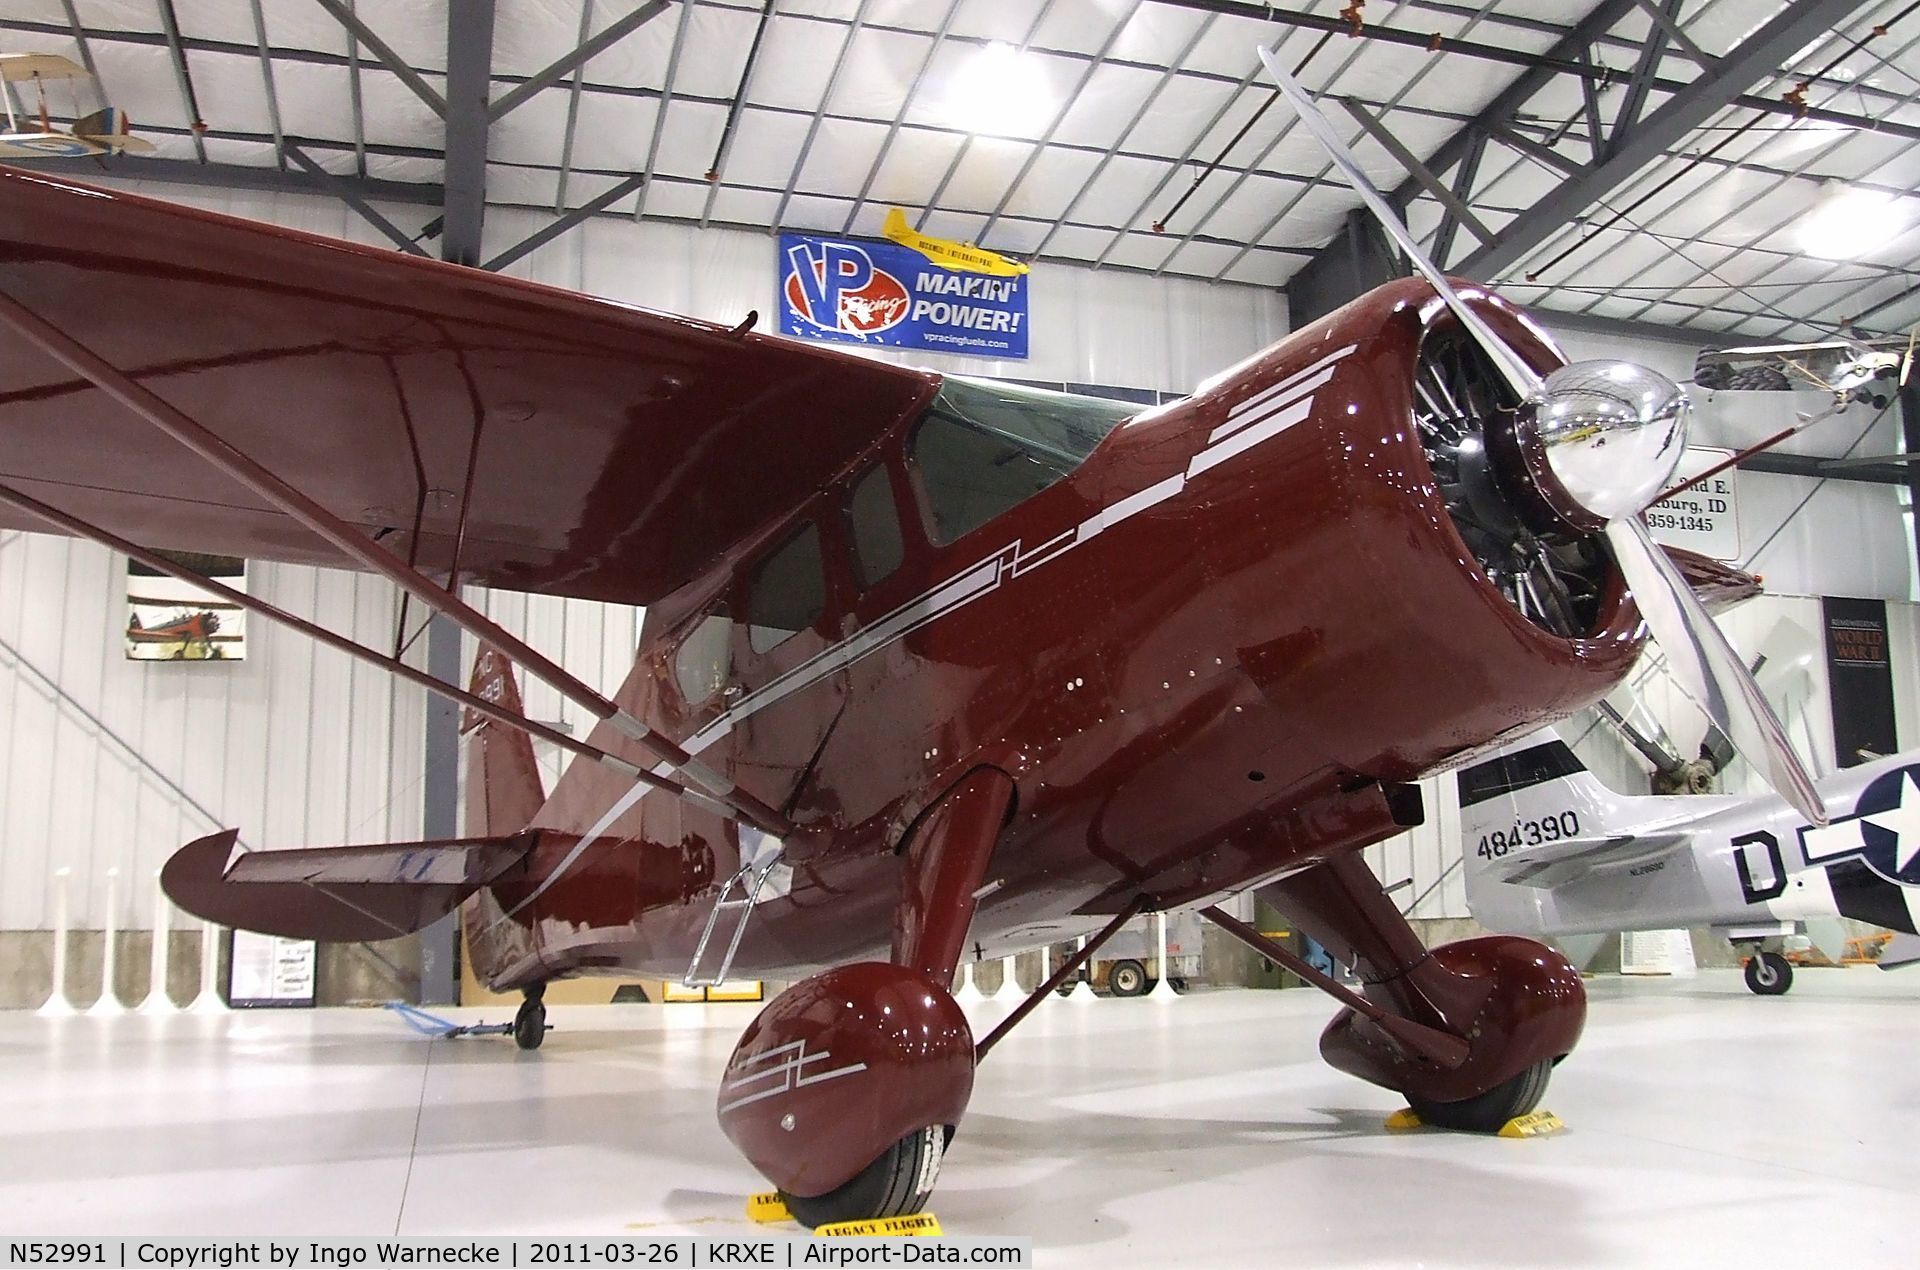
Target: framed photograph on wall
[171, 620]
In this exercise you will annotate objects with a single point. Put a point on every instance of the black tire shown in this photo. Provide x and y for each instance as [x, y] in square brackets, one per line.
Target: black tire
[1128, 978]
[530, 1024]
[896, 1184]
[1759, 379]
[1769, 974]
[1486, 1113]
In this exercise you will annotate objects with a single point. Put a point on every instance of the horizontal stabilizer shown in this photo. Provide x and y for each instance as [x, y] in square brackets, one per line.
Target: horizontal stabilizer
[1573, 858]
[342, 894]
[1902, 951]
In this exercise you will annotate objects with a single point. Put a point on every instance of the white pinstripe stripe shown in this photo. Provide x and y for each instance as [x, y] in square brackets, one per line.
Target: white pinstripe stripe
[1238, 435]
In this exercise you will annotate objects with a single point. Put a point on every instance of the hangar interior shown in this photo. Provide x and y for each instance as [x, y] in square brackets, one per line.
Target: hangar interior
[1649, 178]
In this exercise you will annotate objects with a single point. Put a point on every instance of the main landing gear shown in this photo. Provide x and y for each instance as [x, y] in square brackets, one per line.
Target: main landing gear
[846, 1090]
[1768, 973]
[530, 1022]
[1468, 1032]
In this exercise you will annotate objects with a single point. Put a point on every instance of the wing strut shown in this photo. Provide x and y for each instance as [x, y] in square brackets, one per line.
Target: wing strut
[243, 468]
[393, 665]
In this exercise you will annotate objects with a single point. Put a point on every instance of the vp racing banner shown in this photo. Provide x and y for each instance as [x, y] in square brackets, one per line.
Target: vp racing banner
[880, 293]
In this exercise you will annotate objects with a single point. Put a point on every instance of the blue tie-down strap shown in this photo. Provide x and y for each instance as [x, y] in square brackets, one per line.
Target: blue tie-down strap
[444, 1029]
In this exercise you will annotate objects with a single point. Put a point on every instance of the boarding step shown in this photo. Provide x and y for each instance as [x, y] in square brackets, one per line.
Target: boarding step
[749, 881]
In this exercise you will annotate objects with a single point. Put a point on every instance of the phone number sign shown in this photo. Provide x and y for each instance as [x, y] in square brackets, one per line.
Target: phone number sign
[1705, 518]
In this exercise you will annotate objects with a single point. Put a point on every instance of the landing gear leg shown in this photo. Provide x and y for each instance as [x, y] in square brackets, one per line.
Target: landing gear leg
[1468, 1032]
[845, 1092]
[530, 1024]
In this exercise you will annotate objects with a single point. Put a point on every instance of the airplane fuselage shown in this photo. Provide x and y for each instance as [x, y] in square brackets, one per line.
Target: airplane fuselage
[1736, 863]
[1198, 657]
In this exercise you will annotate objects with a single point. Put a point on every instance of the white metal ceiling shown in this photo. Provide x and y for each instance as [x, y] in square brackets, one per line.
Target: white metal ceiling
[850, 108]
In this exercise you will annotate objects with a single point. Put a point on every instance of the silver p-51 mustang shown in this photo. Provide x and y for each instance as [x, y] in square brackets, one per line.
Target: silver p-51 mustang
[1552, 851]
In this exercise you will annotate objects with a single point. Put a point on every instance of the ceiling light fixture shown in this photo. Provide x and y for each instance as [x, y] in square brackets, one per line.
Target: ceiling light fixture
[1000, 90]
[1849, 222]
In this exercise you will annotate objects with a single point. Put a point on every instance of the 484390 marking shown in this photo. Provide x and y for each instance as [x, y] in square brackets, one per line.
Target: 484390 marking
[1528, 833]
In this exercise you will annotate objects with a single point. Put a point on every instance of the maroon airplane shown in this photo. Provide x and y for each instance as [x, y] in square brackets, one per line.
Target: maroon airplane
[932, 668]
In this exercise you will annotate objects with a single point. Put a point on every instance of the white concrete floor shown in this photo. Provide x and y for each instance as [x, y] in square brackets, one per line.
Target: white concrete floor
[1705, 1126]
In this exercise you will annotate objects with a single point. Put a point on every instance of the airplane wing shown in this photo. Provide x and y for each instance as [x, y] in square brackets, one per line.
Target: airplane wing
[1572, 858]
[573, 446]
[336, 893]
[1719, 586]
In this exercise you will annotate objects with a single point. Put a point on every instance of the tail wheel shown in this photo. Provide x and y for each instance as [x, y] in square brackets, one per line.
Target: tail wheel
[530, 1024]
[1769, 974]
[1486, 1113]
[896, 1184]
[1127, 978]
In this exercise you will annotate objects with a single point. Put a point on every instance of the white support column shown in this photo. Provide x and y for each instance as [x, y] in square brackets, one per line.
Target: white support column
[1081, 991]
[109, 1002]
[1009, 981]
[1163, 989]
[966, 993]
[158, 1002]
[207, 1000]
[57, 1005]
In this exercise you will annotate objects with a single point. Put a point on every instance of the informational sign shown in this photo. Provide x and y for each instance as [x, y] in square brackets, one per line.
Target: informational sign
[265, 971]
[1656, 952]
[885, 295]
[1706, 518]
[1859, 679]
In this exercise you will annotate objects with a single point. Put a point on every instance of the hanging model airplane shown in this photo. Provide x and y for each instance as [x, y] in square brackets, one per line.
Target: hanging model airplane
[104, 131]
[947, 253]
[1871, 370]
[931, 668]
[1552, 851]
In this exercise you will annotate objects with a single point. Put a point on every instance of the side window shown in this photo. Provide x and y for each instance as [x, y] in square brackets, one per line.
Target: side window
[787, 592]
[985, 447]
[700, 665]
[971, 476]
[877, 548]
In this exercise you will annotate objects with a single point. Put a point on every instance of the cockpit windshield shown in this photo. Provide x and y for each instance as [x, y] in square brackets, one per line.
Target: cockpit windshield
[984, 447]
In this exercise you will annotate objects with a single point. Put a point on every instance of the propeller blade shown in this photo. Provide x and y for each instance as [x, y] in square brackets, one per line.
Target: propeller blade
[1519, 376]
[1706, 667]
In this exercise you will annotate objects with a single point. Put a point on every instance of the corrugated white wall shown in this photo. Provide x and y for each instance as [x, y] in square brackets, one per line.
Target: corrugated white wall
[594, 641]
[108, 763]
[1088, 326]
[102, 762]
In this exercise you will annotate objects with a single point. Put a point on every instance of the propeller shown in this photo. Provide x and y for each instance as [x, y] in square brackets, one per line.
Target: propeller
[1608, 436]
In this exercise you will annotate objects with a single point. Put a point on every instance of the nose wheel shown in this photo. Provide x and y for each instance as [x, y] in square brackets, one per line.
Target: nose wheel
[530, 1023]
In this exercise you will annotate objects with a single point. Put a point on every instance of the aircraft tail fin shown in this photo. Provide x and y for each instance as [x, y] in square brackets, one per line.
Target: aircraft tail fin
[504, 789]
[1533, 815]
[895, 226]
